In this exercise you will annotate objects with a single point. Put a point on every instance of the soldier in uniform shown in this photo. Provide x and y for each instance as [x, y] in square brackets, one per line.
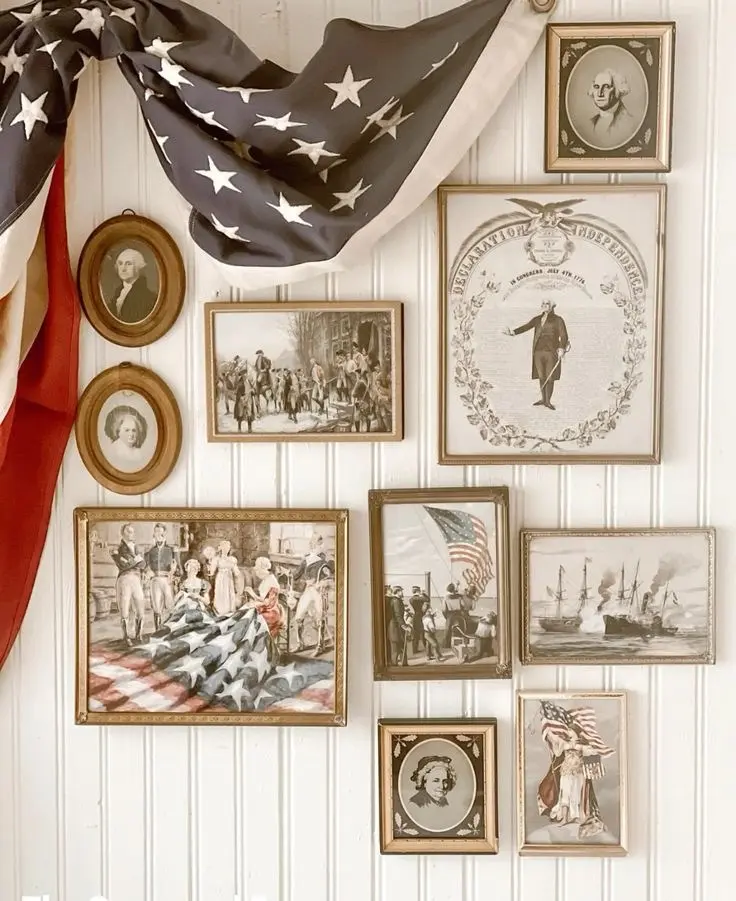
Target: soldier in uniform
[131, 563]
[318, 384]
[397, 627]
[416, 602]
[162, 565]
[318, 572]
[245, 405]
[549, 346]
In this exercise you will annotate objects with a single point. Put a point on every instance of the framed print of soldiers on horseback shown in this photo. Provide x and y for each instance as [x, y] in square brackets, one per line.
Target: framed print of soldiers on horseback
[304, 371]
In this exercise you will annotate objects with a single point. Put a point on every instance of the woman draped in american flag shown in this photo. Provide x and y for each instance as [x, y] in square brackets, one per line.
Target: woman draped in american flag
[566, 793]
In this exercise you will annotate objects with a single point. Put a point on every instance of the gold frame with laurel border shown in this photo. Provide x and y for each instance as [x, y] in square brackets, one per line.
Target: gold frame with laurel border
[82, 518]
[529, 657]
[499, 497]
[583, 849]
[657, 282]
[488, 843]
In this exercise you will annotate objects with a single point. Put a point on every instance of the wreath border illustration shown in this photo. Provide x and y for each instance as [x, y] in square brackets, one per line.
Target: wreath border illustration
[475, 390]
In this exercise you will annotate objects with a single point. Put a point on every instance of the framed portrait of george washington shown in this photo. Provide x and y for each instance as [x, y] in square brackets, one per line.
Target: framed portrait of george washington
[211, 616]
[550, 323]
[131, 280]
[609, 97]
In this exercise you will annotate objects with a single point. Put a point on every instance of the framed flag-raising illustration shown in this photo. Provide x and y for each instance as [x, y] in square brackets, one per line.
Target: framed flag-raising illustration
[572, 773]
[191, 616]
[637, 596]
[440, 583]
[551, 323]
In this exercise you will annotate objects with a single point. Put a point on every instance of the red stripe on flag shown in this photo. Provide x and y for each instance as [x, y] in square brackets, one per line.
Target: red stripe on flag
[39, 425]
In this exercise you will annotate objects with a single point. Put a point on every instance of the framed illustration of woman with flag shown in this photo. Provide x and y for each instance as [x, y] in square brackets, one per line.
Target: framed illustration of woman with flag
[439, 573]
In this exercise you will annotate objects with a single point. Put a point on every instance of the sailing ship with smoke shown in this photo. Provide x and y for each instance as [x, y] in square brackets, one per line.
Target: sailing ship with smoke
[647, 604]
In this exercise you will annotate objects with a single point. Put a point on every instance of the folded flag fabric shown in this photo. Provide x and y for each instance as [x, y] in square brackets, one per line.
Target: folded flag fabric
[287, 175]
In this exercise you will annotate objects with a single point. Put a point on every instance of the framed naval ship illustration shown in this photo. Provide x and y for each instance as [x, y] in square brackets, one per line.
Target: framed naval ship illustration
[620, 596]
[550, 323]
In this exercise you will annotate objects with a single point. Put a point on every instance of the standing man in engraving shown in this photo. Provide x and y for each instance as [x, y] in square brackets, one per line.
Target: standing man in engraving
[549, 346]
[131, 564]
[162, 565]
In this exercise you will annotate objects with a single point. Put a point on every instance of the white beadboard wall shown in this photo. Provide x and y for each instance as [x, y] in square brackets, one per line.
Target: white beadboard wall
[263, 814]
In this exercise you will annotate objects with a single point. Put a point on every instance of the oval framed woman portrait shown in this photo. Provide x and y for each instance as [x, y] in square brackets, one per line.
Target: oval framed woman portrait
[131, 280]
[128, 429]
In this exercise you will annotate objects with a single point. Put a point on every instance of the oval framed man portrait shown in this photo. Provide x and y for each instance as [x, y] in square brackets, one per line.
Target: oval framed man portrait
[128, 429]
[131, 280]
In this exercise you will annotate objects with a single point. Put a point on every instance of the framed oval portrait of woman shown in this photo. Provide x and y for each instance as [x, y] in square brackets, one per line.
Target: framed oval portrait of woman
[128, 429]
[131, 280]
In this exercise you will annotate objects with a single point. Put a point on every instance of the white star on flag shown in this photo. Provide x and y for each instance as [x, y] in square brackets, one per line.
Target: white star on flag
[85, 62]
[193, 667]
[262, 696]
[347, 89]
[219, 178]
[435, 66]
[289, 212]
[35, 13]
[280, 124]
[154, 644]
[161, 48]
[194, 640]
[260, 658]
[236, 690]
[161, 140]
[92, 20]
[148, 92]
[288, 672]
[375, 118]
[313, 150]
[233, 664]
[209, 118]
[230, 231]
[348, 198]
[225, 645]
[170, 72]
[325, 173]
[49, 48]
[127, 15]
[245, 93]
[13, 63]
[389, 126]
[31, 112]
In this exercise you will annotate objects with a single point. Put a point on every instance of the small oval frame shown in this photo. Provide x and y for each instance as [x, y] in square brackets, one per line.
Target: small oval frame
[172, 280]
[128, 376]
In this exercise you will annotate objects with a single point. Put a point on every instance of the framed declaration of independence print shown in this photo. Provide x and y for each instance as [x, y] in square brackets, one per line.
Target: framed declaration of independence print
[550, 323]
[609, 97]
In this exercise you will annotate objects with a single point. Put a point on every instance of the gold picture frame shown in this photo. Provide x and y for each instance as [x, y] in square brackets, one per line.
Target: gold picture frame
[654, 601]
[577, 731]
[131, 280]
[451, 532]
[609, 97]
[128, 429]
[458, 812]
[508, 252]
[227, 643]
[358, 351]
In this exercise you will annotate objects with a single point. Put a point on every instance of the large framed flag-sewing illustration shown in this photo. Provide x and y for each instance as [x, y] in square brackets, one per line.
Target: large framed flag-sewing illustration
[191, 616]
[440, 583]
[572, 773]
[551, 323]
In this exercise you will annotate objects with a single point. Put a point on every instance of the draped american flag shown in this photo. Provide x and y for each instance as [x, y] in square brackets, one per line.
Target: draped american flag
[576, 725]
[286, 175]
[466, 538]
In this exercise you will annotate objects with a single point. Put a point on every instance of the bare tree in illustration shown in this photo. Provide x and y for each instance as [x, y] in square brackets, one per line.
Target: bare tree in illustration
[301, 331]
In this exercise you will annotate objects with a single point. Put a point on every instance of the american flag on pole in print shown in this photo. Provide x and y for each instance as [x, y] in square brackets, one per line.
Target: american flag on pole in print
[578, 724]
[467, 541]
[286, 175]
